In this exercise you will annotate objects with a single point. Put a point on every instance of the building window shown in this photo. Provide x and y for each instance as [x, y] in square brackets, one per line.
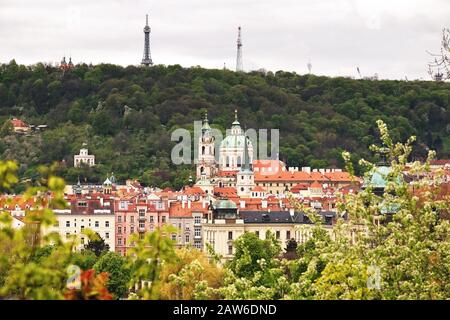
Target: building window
[67, 223]
[197, 232]
[132, 219]
[123, 205]
[82, 240]
[119, 230]
[230, 235]
[163, 219]
[141, 212]
[96, 224]
[107, 224]
[82, 228]
[288, 234]
[278, 234]
[131, 229]
[119, 241]
[107, 235]
[257, 233]
[125, 230]
[151, 219]
[198, 244]
[230, 249]
[197, 219]
[174, 237]
[82, 204]
[141, 225]
[119, 219]
[187, 238]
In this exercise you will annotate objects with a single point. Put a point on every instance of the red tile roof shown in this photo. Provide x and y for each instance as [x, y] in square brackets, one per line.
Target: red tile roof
[17, 123]
[258, 189]
[440, 162]
[227, 173]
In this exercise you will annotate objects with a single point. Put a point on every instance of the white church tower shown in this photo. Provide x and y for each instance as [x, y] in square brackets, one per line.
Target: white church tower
[245, 179]
[206, 166]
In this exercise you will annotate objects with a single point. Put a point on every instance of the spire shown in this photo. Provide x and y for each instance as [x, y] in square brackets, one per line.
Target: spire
[146, 20]
[236, 122]
[246, 166]
[239, 64]
[205, 125]
[236, 126]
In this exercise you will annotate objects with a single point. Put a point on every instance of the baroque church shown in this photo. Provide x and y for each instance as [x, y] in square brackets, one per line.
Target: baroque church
[233, 167]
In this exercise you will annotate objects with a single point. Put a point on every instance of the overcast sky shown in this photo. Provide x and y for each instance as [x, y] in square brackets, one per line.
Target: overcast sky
[388, 37]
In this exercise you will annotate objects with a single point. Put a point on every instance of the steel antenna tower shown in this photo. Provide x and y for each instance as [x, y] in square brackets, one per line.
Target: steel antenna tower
[147, 60]
[239, 65]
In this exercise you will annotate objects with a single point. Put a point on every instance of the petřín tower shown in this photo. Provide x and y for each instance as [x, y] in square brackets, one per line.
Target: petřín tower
[147, 59]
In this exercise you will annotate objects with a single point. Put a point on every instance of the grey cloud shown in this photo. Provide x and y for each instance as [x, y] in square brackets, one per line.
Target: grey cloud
[389, 37]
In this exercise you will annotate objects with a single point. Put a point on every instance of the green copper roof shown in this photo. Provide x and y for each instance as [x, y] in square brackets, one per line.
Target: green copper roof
[224, 204]
[201, 182]
[378, 179]
[232, 141]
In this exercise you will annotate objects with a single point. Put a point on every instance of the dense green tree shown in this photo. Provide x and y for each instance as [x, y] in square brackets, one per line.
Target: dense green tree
[249, 250]
[97, 245]
[118, 273]
[127, 114]
[85, 259]
[6, 129]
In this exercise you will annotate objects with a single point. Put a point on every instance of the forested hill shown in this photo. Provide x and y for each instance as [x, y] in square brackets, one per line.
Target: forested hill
[126, 115]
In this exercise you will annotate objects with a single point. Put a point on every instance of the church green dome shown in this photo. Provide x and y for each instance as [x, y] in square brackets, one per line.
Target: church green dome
[234, 141]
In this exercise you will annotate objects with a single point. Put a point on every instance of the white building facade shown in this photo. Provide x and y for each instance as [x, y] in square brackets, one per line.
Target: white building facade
[83, 158]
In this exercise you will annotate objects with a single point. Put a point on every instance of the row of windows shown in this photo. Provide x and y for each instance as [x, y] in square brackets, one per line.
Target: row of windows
[82, 238]
[179, 226]
[270, 184]
[187, 238]
[277, 234]
[96, 224]
[141, 215]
